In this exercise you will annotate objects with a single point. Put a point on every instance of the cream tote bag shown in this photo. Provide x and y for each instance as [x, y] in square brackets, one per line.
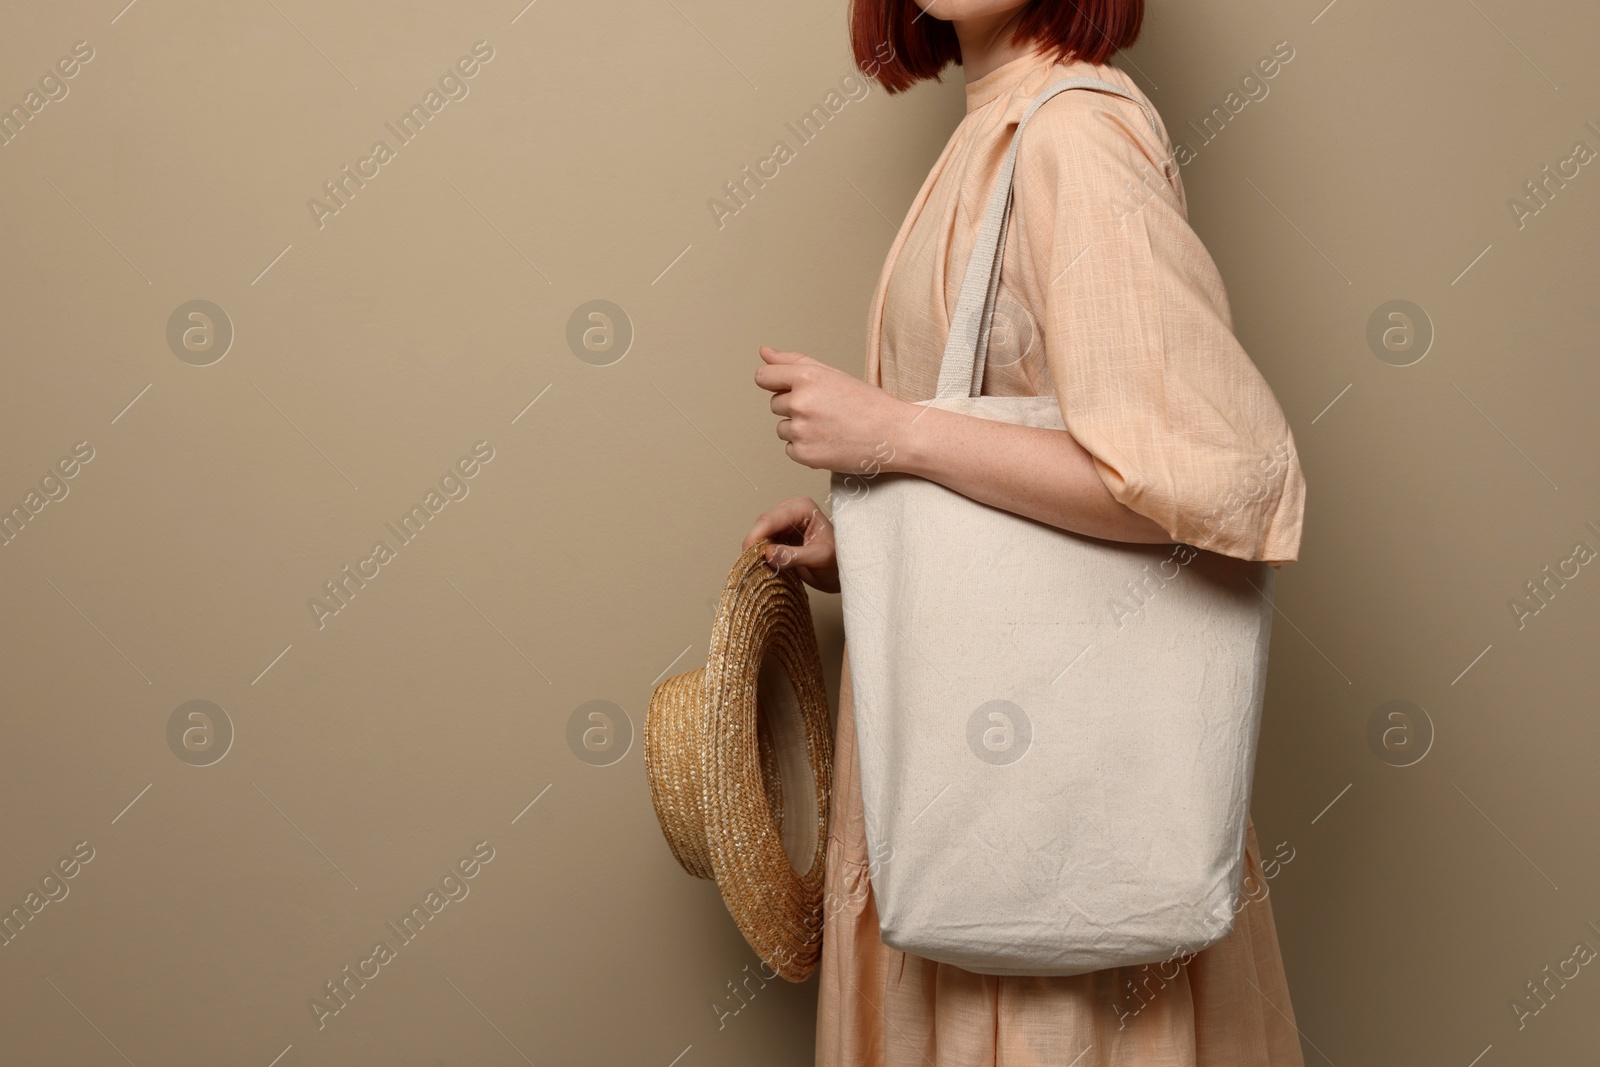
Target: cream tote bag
[1057, 733]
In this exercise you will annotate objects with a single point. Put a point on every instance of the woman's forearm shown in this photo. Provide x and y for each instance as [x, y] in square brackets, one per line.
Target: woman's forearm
[832, 420]
[1039, 473]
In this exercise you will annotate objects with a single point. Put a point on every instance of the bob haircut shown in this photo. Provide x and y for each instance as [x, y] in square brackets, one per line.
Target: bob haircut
[896, 46]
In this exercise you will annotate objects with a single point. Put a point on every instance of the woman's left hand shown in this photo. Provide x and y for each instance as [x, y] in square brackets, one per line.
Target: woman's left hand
[831, 420]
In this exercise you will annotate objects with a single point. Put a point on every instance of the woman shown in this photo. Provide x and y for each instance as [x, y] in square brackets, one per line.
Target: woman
[1108, 301]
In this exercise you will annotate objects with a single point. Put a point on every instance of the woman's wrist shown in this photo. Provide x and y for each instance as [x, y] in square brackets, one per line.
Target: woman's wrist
[906, 434]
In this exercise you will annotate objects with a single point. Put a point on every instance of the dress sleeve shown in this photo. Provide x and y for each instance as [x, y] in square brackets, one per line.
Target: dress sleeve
[1139, 338]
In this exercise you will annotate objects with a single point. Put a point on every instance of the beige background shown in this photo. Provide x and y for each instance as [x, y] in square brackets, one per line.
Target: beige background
[372, 754]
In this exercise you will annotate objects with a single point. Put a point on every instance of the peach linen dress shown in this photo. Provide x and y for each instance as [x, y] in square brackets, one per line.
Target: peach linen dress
[1109, 301]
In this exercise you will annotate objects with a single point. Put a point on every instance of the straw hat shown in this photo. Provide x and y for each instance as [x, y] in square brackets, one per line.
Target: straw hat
[722, 743]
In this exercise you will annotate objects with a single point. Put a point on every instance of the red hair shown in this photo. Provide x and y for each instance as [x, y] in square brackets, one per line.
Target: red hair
[896, 45]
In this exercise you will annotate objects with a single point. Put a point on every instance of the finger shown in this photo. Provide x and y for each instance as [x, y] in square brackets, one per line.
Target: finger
[812, 555]
[776, 379]
[773, 356]
[780, 525]
[788, 515]
[815, 540]
[781, 404]
[785, 429]
[822, 580]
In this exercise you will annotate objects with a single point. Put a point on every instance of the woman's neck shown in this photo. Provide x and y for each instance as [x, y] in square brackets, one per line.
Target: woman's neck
[986, 43]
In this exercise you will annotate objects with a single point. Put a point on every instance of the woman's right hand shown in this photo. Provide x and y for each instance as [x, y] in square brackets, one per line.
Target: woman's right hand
[803, 539]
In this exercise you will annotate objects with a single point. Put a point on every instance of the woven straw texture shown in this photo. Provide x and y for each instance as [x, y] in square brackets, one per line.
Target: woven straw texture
[713, 765]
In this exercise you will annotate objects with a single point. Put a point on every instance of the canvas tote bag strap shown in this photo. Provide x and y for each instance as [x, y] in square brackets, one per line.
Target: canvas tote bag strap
[966, 348]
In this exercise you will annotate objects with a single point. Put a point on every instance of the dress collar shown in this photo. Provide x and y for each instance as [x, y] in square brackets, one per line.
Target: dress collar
[1003, 78]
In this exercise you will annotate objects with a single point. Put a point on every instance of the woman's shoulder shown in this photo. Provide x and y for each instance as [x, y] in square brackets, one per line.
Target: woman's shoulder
[1087, 125]
[1083, 107]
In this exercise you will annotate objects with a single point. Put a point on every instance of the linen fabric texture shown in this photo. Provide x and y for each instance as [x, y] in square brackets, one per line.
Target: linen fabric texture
[1056, 738]
[1109, 303]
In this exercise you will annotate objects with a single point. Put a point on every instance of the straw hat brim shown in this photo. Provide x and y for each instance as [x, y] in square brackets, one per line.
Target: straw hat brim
[712, 755]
